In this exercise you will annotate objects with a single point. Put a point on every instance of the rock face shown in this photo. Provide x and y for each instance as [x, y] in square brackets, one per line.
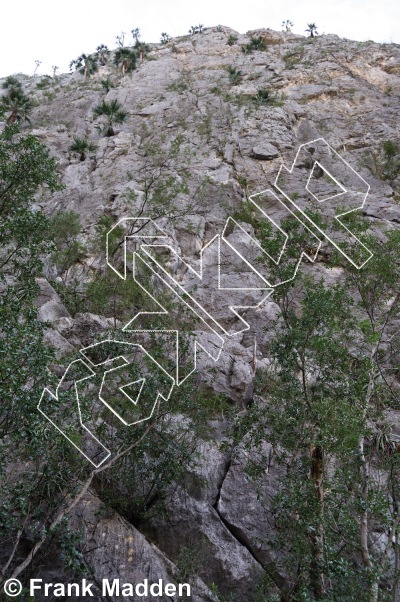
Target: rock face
[182, 104]
[116, 550]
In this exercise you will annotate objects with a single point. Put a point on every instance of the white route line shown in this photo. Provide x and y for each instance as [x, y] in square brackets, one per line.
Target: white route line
[324, 234]
[127, 384]
[79, 361]
[173, 284]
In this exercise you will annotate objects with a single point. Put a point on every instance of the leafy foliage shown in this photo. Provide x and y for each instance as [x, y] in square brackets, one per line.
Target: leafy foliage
[312, 29]
[330, 378]
[165, 38]
[11, 82]
[126, 58]
[86, 64]
[114, 115]
[102, 54]
[17, 104]
[196, 29]
[232, 39]
[82, 146]
[235, 76]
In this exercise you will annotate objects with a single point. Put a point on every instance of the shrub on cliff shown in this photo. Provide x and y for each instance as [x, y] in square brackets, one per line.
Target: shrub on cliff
[114, 115]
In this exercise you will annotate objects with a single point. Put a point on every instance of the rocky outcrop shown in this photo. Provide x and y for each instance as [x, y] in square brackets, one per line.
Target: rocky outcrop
[186, 116]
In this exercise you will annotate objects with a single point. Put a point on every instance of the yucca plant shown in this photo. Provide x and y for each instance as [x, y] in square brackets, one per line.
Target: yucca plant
[82, 146]
[19, 105]
[107, 84]
[196, 29]
[114, 114]
[165, 38]
[382, 441]
[136, 34]
[126, 58]
[232, 40]
[85, 64]
[256, 43]
[142, 49]
[263, 97]
[312, 30]
[287, 25]
[120, 39]
[235, 76]
[102, 54]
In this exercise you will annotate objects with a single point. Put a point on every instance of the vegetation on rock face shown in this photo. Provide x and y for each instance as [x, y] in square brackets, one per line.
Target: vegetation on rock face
[235, 76]
[82, 146]
[120, 39]
[136, 34]
[126, 58]
[231, 40]
[11, 82]
[107, 84]
[312, 29]
[102, 54]
[142, 49]
[114, 115]
[287, 25]
[318, 440]
[165, 38]
[333, 372]
[17, 104]
[51, 476]
[65, 231]
[196, 29]
[85, 64]
[256, 43]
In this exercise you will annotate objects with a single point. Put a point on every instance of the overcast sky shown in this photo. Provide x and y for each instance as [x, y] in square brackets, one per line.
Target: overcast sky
[56, 32]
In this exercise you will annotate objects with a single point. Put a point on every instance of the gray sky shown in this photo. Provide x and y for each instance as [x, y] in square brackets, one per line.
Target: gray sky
[56, 32]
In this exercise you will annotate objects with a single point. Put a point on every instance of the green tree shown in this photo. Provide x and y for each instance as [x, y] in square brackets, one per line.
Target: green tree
[165, 38]
[334, 362]
[196, 29]
[312, 29]
[126, 58]
[114, 114]
[86, 64]
[51, 476]
[102, 54]
[65, 230]
[287, 25]
[142, 49]
[82, 146]
[17, 104]
[136, 34]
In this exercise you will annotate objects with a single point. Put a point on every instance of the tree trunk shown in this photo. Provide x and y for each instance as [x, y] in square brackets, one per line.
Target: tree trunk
[317, 539]
[85, 74]
[123, 69]
[311, 34]
[12, 117]
[110, 131]
[83, 156]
